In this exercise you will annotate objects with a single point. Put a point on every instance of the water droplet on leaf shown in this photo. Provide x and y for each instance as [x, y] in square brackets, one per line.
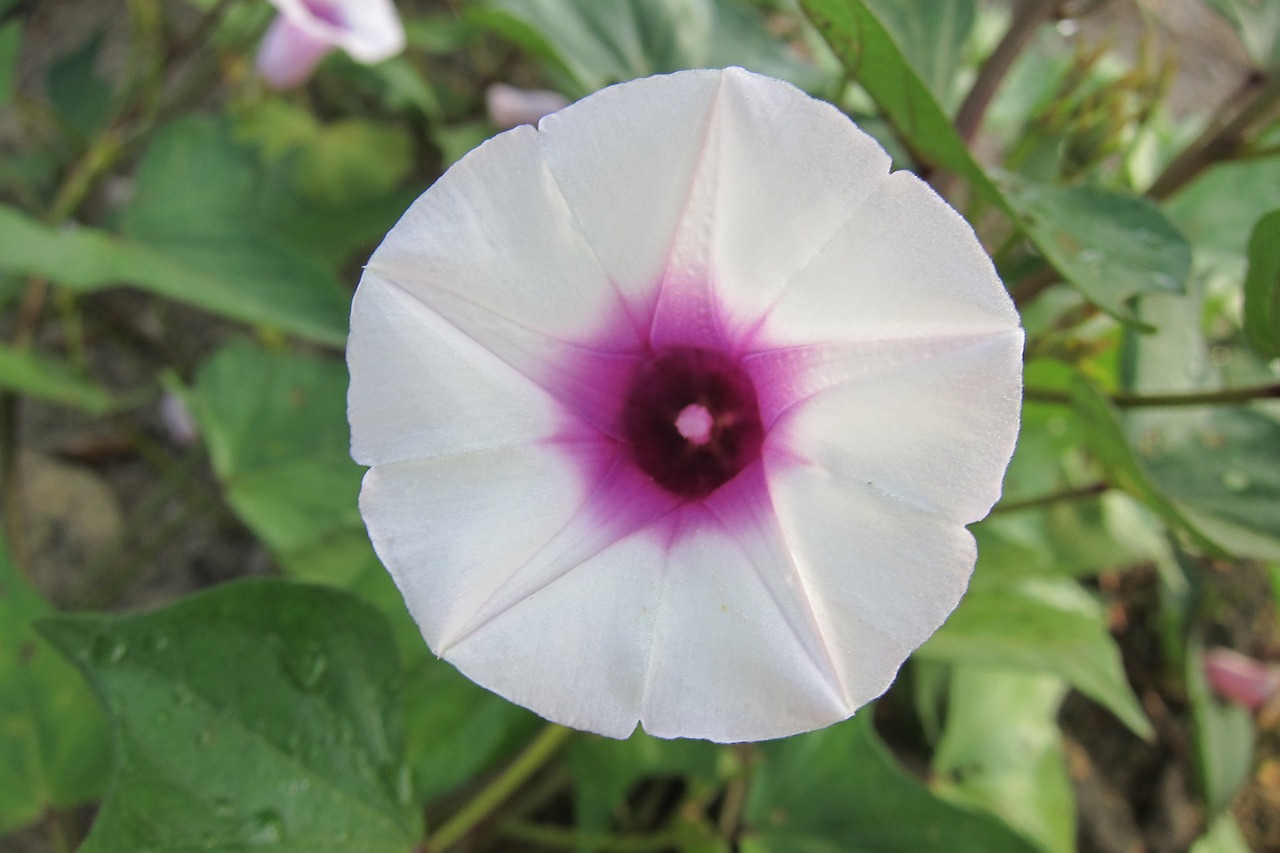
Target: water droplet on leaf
[1091, 258]
[265, 827]
[1235, 480]
[107, 650]
[308, 668]
[1147, 238]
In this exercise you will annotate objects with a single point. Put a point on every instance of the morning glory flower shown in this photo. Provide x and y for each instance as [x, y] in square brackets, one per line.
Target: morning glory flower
[677, 406]
[305, 31]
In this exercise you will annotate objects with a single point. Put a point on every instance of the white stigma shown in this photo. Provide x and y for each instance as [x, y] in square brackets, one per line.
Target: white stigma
[694, 423]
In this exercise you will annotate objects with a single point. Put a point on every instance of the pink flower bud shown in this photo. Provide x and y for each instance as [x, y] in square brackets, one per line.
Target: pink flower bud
[510, 107]
[1241, 679]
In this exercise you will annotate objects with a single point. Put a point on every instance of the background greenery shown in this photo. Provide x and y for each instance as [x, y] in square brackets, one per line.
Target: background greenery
[198, 649]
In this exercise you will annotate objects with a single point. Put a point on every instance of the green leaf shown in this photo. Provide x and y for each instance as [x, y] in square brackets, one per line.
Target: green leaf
[1074, 538]
[839, 790]
[54, 746]
[456, 729]
[598, 42]
[218, 207]
[86, 259]
[29, 373]
[1043, 625]
[258, 714]
[454, 141]
[276, 430]
[1110, 446]
[1111, 246]
[1262, 285]
[1223, 478]
[10, 42]
[1215, 464]
[1224, 836]
[1258, 23]
[78, 93]
[1217, 211]
[275, 427]
[1049, 436]
[1077, 537]
[336, 163]
[1064, 224]
[872, 57]
[605, 770]
[932, 43]
[1223, 737]
[1002, 751]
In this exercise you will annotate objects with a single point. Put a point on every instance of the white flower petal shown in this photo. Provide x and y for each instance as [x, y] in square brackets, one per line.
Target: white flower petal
[494, 233]
[736, 652]
[421, 388]
[493, 249]
[905, 265]
[624, 159]
[882, 576]
[930, 424]
[762, 205]
[521, 568]
[576, 649]
[620, 502]
[452, 530]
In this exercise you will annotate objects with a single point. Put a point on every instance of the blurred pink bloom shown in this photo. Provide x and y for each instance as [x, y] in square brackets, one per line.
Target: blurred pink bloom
[178, 420]
[510, 107]
[305, 31]
[1241, 679]
[677, 407]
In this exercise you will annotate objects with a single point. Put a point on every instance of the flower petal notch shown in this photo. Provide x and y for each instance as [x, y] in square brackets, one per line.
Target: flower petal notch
[677, 407]
[305, 31]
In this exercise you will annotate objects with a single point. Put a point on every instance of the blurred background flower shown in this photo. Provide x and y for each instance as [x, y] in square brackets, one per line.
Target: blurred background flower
[509, 106]
[305, 31]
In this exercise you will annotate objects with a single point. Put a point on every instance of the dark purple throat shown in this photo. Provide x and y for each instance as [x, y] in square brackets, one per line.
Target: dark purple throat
[691, 420]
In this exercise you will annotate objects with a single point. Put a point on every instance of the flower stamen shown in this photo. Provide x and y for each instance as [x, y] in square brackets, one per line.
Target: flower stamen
[695, 423]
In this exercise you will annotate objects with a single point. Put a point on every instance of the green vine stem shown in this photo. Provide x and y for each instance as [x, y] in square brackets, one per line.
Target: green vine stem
[1026, 20]
[570, 839]
[1224, 397]
[1040, 502]
[1226, 134]
[493, 795]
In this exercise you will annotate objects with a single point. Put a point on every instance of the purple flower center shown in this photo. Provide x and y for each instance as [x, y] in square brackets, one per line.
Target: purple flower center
[691, 420]
[325, 10]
